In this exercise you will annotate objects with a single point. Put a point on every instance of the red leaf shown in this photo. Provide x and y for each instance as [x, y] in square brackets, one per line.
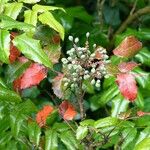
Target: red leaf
[43, 114]
[128, 47]
[141, 113]
[14, 52]
[127, 86]
[32, 76]
[56, 39]
[56, 83]
[22, 59]
[127, 66]
[67, 111]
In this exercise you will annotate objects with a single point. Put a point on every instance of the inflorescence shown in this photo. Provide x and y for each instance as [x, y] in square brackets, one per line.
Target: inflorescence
[82, 65]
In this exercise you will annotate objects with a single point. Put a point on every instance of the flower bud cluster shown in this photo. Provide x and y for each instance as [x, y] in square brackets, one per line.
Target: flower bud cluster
[82, 65]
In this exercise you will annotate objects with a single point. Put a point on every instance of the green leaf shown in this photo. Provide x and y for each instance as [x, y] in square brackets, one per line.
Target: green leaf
[87, 122]
[4, 46]
[31, 48]
[51, 140]
[34, 133]
[139, 100]
[13, 9]
[30, 17]
[29, 1]
[2, 84]
[143, 56]
[69, 140]
[14, 70]
[9, 96]
[16, 123]
[119, 104]
[106, 122]
[81, 132]
[143, 145]
[108, 94]
[79, 13]
[142, 77]
[128, 135]
[143, 134]
[48, 19]
[9, 24]
[41, 8]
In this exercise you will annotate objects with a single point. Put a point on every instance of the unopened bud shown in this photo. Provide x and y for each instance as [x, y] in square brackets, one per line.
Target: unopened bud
[87, 34]
[93, 82]
[76, 40]
[70, 38]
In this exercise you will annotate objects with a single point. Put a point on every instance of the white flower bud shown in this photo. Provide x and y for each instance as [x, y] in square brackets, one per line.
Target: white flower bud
[74, 74]
[75, 67]
[92, 55]
[104, 51]
[72, 85]
[93, 82]
[65, 79]
[86, 76]
[94, 45]
[66, 84]
[74, 79]
[76, 40]
[72, 50]
[64, 60]
[97, 85]
[105, 57]
[70, 38]
[87, 34]
[106, 76]
[98, 81]
[69, 58]
[69, 66]
[86, 72]
[93, 70]
[80, 53]
[108, 61]
[73, 62]
[82, 56]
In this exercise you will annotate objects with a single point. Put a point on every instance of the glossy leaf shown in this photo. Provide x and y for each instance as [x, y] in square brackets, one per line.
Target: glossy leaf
[29, 1]
[127, 66]
[69, 140]
[9, 96]
[32, 49]
[142, 77]
[81, 132]
[128, 134]
[9, 24]
[51, 140]
[30, 17]
[48, 19]
[13, 9]
[31, 77]
[143, 134]
[139, 100]
[143, 56]
[4, 46]
[67, 111]
[34, 133]
[43, 114]
[13, 71]
[127, 86]
[128, 47]
[106, 122]
[143, 145]
[42, 8]
[119, 104]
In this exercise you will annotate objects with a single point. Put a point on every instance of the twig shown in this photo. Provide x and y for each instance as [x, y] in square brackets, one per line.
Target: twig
[129, 20]
[134, 7]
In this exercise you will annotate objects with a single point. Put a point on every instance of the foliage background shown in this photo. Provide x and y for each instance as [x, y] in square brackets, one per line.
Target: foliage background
[102, 19]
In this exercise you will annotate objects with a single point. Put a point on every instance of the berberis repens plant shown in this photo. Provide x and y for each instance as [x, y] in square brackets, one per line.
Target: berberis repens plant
[65, 88]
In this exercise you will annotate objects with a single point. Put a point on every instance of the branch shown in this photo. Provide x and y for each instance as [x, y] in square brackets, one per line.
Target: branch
[132, 17]
[129, 20]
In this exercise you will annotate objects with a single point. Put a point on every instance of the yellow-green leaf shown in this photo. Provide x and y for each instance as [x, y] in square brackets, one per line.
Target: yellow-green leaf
[48, 19]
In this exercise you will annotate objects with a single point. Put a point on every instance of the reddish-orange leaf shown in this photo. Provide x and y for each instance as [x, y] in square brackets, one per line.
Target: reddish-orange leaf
[128, 47]
[14, 52]
[56, 39]
[43, 114]
[127, 66]
[141, 113]
[127, 86]
[67, 111]
[56, 83]
[22, 59]
[32, 76]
